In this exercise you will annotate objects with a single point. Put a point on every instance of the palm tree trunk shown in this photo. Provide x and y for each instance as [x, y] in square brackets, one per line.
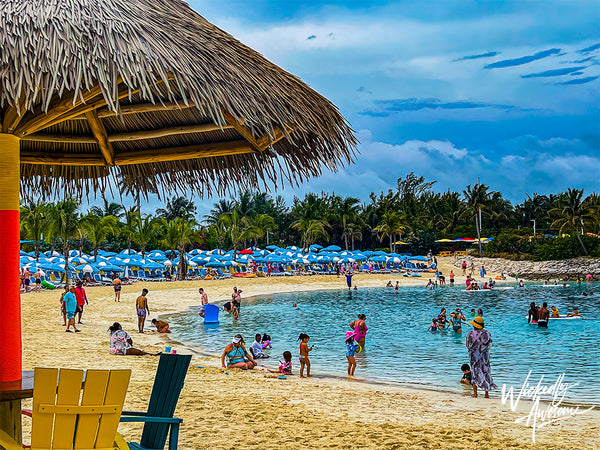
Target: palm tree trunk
[66, 255]
[182, 263]
[391, 238]
[346, 241]
[478, 234]
[581, 243]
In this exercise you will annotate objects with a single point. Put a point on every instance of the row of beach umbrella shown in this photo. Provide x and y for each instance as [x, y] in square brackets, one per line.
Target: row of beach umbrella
[216, 258]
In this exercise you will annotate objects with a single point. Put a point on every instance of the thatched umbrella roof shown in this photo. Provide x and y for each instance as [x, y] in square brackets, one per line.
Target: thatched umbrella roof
[152, 93]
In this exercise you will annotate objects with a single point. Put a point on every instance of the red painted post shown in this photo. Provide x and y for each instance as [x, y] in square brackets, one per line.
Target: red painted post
[10, 294]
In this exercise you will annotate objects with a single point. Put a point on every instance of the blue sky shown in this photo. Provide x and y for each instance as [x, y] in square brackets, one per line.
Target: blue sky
[452, 90]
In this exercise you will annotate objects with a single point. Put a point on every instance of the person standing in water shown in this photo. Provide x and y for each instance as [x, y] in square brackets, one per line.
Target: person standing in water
[360, 330]
[349, 279]
[543, 316]
[532, 316]
[204, 301]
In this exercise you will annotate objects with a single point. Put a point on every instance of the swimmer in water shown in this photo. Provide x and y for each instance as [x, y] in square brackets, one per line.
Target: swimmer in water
[554, 312]
[532, 316]
[575, 313]
[434, 326]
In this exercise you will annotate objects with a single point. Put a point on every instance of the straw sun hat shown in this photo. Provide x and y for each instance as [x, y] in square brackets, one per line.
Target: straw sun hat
[477, 323]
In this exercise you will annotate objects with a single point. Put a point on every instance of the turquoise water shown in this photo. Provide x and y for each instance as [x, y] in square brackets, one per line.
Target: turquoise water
[401, 351]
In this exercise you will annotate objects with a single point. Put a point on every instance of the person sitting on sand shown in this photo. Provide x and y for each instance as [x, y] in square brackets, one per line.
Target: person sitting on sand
[162, 326]
[237, 355]
[257, 348]
[575, 313]
[122, 344]
[285, 366]
[467, 376]
[554, 312]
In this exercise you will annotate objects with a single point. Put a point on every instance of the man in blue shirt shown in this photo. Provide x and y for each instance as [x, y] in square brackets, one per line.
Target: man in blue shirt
[71, 305]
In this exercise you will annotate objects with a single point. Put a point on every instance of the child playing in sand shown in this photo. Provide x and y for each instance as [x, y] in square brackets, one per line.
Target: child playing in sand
[162, 326]
[466, 378]
[351, 348]
[304, 349]
[285, 368]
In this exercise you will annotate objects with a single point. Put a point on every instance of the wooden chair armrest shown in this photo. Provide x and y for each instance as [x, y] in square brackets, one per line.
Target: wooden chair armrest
[151, 419]
[133, 413]
[8, 442]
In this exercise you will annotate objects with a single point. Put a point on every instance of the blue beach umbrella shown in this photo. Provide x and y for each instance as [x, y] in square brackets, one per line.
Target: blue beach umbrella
[332, 248]
[215, 264]
[417, 258]
[272, 247]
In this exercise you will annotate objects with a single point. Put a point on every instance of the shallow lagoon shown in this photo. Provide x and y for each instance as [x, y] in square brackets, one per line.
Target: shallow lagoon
[401, 351]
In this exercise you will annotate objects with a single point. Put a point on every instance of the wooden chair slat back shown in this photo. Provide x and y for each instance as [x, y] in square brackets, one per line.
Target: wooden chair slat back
[170, 377]
[74, 425]
[69, 391]
[44, 392]
[93, 394]
[116, 390]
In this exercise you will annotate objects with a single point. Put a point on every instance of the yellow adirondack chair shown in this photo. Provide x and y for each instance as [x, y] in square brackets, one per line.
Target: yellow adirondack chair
[61, 421]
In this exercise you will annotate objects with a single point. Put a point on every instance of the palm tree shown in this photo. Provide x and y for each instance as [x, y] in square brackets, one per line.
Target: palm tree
[572, 214]
[110, 209]
[352, 231]
[221, 207]
[179, 233]
[98, 229]
[128, 228]
[347, 215]
[477, 198]
[64, 223]
[143, 230]
[259, 225]
[454, 208]
[311, 230]
[239, 228]
[391, 223]
[34, 223]
[178, 208]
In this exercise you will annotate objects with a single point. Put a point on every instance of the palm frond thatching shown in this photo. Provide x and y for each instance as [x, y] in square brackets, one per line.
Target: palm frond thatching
[151, 92]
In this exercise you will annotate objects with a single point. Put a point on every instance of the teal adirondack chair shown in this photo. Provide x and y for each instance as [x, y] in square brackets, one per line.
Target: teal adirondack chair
[159, 420]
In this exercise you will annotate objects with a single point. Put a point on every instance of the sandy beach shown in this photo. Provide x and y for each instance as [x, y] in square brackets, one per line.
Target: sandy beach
[247, 410]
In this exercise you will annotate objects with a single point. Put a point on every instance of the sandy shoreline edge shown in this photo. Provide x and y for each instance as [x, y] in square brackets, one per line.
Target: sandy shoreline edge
[267, 413]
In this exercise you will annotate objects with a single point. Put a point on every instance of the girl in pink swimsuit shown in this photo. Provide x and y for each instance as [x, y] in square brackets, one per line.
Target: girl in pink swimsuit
[360, 329]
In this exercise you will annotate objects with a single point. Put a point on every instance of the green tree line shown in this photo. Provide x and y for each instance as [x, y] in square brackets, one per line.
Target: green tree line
[412, 212]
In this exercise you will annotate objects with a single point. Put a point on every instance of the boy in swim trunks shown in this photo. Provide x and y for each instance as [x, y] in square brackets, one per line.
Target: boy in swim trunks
[141, 306]
[204, 301]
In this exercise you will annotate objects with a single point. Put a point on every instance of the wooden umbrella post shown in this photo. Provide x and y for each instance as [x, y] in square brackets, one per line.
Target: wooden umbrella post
[10, 295]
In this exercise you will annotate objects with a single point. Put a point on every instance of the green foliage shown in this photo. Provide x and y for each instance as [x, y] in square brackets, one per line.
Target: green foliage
[566, 247]
[420, 242]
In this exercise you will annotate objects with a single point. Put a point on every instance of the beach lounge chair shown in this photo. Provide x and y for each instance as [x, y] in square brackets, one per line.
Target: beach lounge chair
[159, 420]
[60, 420]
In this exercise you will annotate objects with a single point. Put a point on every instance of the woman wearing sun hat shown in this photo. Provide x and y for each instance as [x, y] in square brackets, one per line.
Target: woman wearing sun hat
[479, 342]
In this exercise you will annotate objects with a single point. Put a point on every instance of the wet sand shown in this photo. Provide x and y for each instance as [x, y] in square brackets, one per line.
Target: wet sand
[245, 409]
